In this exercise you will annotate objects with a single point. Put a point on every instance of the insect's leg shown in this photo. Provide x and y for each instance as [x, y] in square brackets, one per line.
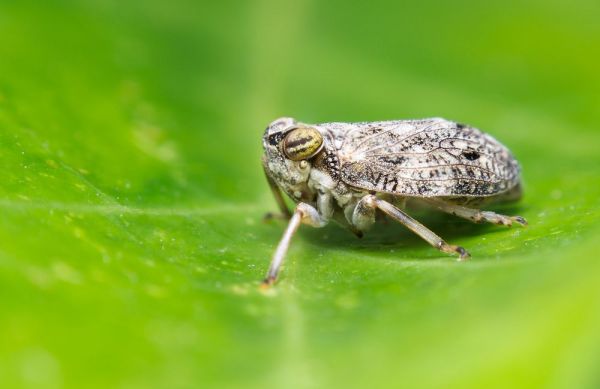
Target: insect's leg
[325, 205]
[363, 216]
[285, 212]
[303, 214]
[476, 215]
[413, 225]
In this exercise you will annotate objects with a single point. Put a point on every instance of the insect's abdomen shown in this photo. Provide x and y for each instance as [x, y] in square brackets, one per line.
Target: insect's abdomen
[427, 158]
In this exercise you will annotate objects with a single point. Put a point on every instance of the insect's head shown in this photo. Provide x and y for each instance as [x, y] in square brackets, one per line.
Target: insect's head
[289, 146]
[293, 140]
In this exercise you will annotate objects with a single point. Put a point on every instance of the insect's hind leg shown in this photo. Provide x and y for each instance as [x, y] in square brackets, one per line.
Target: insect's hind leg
[475, 215]
[366, 207]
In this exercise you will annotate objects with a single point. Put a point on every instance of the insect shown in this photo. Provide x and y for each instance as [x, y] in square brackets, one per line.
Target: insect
[346, 172]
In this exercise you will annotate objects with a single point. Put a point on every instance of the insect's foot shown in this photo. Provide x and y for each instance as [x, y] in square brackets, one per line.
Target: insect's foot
[267, 283]
[451, 249]
[502, 220]
[463, 254]
[358, 233]
[520, 220]
[509, 220]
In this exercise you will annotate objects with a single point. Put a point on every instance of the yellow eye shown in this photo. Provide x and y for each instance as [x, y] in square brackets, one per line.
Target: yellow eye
[302, 143]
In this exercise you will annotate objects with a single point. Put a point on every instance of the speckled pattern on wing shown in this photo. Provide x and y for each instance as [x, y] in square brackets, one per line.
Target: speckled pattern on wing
[425, 158]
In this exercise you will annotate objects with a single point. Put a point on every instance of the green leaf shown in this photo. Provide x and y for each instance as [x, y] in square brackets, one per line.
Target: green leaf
[131, 195]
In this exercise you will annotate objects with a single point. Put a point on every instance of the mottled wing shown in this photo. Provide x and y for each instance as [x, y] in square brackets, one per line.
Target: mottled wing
[428, 158]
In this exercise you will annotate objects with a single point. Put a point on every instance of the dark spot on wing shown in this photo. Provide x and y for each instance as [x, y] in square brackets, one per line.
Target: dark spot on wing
[391, 182]
[394, 160]
[471, 155]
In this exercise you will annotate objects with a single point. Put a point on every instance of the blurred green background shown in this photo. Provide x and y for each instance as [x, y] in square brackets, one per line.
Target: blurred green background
[131, 196]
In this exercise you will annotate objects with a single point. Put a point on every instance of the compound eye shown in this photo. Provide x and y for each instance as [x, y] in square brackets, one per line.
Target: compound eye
[302, 143]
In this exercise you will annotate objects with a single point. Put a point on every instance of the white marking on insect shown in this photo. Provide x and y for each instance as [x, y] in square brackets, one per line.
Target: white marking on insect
[348, 171]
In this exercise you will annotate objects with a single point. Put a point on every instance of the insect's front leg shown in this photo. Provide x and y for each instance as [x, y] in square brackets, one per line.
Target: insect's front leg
[303, 214]
[475, 215]
[285, 212]
[365, 213]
